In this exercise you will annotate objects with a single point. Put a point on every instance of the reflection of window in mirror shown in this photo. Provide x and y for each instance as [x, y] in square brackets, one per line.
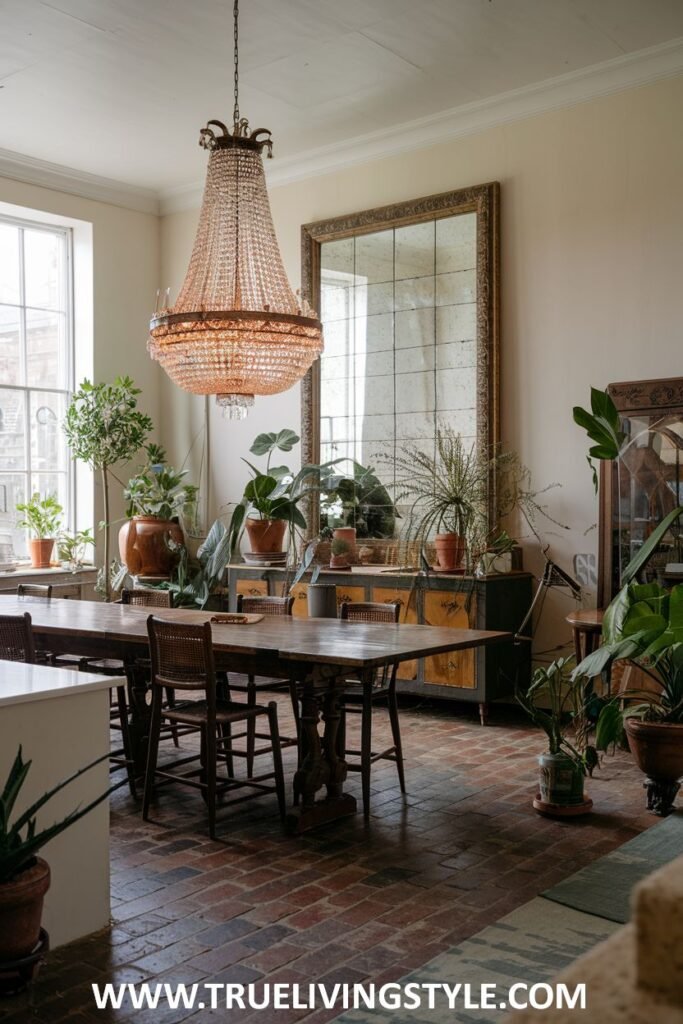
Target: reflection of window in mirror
[409, 313]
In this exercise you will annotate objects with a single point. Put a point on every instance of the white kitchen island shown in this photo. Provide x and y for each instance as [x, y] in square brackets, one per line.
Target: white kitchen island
[61, 720]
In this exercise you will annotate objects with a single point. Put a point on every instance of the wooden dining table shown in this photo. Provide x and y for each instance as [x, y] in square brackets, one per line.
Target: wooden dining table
[320, 655]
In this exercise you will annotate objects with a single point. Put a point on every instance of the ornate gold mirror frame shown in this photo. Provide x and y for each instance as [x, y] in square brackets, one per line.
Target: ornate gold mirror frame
[482, 200]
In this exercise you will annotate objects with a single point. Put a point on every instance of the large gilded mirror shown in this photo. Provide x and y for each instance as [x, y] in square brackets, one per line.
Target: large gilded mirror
[409, 299]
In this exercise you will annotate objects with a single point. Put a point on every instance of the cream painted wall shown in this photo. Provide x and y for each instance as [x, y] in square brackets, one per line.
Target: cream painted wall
[125, 276]
[592, 222]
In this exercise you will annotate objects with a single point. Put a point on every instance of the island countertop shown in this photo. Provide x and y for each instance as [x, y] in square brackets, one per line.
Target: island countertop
[21, 683]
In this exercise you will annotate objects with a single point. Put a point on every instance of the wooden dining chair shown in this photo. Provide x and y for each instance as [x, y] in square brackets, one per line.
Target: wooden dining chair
[146, 597]
[16, 638]
[182, 659]
[262, 605]
[360, 699]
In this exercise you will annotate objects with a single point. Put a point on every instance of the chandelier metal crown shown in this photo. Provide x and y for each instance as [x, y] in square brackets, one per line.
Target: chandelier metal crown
[237, 329]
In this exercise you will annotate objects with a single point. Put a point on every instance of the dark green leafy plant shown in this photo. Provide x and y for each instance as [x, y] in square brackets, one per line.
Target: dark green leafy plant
[19, 841]
[104, 426]
[563, 693]
[603, 426]
[642, 625]
[195, 581]
[360, 500]
[277, 493]
[41, 516]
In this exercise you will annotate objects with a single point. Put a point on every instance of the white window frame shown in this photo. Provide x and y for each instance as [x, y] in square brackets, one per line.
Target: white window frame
[24, 223]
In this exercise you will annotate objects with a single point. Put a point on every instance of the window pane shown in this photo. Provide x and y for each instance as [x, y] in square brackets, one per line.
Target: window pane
[51, 483]
[12, 492]
[46, 349]
[10, 345]
[43, 258]
[9, 264]
[12, 430]
[48, 448]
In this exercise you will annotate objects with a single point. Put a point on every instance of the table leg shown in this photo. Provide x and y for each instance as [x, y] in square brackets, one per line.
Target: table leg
[321, 764]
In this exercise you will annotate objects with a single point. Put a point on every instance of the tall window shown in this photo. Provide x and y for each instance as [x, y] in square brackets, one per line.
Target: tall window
[36, 369]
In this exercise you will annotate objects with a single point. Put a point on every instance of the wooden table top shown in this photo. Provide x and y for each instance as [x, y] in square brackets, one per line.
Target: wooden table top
[586, 618]
[319, 641]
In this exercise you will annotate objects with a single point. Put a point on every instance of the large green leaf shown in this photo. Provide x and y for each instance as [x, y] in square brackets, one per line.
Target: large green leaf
[650, 546]
[260, 488]
[609, 728]
[266, 443]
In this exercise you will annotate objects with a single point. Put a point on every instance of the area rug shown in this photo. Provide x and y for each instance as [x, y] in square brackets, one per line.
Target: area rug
[531, 944]
[604, 887]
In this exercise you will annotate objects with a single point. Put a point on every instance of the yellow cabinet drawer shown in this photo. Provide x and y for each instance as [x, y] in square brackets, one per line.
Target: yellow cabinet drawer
[454, 668]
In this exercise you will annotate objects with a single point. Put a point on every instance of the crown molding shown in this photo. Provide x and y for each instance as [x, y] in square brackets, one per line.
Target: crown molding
[32, 171]
[629, 71]
[574, 87]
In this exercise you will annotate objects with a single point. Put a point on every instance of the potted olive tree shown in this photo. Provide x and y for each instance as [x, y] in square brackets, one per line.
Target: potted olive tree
[104, 427]
[25, 877]
[555, 703]
[156, 499]
[42, 518]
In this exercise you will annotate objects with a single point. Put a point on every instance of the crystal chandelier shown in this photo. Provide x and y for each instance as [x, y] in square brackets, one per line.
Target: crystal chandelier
[236, 329]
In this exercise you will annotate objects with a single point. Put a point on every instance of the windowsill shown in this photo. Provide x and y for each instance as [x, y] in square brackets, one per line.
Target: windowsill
[25, 569]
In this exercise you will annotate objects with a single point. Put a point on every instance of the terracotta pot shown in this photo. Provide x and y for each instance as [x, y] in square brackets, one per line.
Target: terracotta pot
[21, 909]
[266, 536]
[450, 550]
[347, 533]
[339, 561]
[40, 549]
[143, 547]
[657, 748]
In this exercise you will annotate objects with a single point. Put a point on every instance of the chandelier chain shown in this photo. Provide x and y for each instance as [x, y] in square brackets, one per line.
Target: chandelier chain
[236, 108]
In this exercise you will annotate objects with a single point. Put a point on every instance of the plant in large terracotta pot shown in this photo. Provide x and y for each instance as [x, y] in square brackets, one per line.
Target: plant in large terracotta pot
[644, 625]
[42, 518]
[156, 499]
[104, 427]
[25, 877]
[269, 506]
[555, 703]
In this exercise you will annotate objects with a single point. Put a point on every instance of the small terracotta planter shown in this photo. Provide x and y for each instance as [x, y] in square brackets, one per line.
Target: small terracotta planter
[266, 536]
[40, 549]
[21, 909]
[339, 561]
[657, 748]
[346, 534]
[143, 545]
[450, 550]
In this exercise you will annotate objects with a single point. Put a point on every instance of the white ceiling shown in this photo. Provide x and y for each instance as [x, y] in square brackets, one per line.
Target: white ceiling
[120, 88]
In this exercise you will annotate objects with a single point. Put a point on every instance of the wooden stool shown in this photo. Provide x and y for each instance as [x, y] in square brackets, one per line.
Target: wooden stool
[586, 629]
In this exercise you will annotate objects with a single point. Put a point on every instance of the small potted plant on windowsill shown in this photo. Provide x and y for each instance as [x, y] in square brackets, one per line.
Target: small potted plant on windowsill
[42, 517]
[25, 877]
[71, 548]
[555, 704]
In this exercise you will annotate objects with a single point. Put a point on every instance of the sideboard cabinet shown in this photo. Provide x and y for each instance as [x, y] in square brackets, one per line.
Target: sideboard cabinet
[488, 602]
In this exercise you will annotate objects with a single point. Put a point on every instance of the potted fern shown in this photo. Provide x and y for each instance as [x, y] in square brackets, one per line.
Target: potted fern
[42, 518]
[25, 877]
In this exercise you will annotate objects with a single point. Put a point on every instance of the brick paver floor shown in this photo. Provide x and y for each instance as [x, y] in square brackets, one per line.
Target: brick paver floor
[348, 903]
